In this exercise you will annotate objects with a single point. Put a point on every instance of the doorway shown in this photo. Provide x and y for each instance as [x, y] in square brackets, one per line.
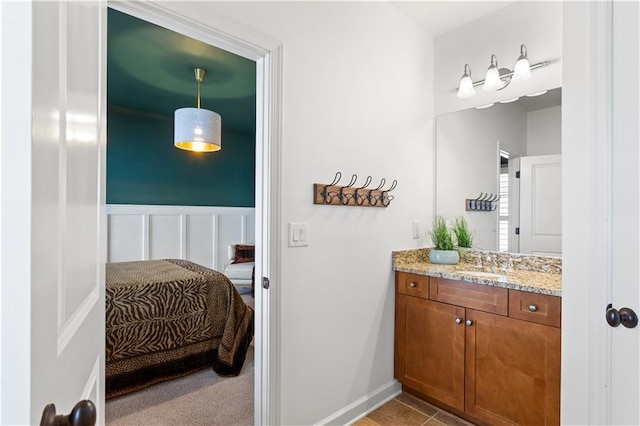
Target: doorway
[267, 55]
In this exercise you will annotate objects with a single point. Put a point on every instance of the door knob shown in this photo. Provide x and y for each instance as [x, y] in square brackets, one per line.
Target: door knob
[624, 316]
[82, 414]
[469, 322]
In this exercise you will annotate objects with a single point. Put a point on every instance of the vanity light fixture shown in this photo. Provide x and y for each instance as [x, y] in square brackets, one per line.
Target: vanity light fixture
[498, 78]
[197, 129]
[508, 101]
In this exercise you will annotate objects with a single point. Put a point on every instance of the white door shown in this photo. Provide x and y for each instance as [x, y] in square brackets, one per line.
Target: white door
[541, 205]
[62, 271]
[625, 212]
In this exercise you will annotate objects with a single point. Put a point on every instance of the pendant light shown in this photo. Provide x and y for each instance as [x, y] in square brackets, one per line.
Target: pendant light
[197, 129]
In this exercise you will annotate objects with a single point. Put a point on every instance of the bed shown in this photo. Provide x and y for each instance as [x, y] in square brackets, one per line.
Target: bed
[168, 318]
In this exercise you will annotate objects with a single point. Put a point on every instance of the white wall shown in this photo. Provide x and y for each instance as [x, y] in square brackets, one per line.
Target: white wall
[357, 99]
[536, 24]
[544, 131]
[468, 144]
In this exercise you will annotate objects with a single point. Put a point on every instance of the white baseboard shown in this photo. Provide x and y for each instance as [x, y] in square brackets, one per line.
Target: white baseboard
[365, 405]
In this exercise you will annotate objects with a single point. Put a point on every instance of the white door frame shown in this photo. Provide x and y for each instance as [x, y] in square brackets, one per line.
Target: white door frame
[225, 34]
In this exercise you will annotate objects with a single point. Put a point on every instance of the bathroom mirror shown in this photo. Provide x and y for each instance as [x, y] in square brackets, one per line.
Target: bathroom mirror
[511, 149]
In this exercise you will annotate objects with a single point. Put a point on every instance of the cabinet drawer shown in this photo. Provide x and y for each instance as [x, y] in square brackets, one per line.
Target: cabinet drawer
[474, 296]
[412, 284]
[534, 307]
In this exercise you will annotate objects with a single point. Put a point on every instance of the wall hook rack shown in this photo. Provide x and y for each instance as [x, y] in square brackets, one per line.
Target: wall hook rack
[483, 203]
[352, 194]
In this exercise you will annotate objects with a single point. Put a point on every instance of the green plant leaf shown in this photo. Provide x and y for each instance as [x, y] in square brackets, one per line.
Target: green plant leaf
[464, 236]
[441, 235]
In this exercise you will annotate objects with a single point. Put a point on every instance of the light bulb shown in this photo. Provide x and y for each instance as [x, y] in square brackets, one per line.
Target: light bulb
[198, 146]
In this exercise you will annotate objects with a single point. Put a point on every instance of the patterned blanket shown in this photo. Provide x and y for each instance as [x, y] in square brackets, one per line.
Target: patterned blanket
[168, 318]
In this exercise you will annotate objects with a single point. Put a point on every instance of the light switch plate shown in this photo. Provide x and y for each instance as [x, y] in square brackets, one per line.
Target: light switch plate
[298, 234]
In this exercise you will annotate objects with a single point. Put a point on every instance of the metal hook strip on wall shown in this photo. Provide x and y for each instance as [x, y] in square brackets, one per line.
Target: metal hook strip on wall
[352, 194]
[483, 203]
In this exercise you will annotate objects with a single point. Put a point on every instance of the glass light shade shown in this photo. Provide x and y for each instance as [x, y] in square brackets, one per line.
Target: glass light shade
[522, 70]
[492, 80]
[466, 90]
[197, 129]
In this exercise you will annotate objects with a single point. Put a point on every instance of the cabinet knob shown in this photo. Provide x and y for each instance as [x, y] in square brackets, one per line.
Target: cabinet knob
[533, 308]
[469, 322]
[458, 320]
[412, 284]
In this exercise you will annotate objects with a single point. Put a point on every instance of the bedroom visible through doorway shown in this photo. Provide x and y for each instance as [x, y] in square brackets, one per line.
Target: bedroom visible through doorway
[144, 169]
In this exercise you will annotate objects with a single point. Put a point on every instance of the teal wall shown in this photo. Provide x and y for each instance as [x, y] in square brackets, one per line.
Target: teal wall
[143, 166]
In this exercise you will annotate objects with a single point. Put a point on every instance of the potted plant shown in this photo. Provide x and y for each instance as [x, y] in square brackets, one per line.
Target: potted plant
[442, 251]
[462, 232]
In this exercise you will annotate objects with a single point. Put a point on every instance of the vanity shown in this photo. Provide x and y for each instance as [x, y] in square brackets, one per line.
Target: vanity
[480, 338]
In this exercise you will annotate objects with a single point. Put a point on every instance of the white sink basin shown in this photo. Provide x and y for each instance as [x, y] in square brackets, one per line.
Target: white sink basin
[480, 274]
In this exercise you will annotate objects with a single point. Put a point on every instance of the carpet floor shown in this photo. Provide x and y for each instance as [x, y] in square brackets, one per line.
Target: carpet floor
[202, 398]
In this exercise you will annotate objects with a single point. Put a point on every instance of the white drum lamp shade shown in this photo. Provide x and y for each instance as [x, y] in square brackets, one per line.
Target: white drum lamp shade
[197, 129]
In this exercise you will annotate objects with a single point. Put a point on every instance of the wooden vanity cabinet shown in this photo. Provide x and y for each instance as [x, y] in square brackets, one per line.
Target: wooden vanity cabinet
[429, 349]
[512, 371]
[488, 366]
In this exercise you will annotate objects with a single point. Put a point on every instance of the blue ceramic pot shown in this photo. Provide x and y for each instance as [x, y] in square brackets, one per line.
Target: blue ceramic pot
[445, 257]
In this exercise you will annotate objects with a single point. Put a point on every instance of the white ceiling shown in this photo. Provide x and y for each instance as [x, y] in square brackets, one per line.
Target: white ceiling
[438, 17]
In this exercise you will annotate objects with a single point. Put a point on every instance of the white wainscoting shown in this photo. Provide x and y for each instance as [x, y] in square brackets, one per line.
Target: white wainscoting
[194, 233]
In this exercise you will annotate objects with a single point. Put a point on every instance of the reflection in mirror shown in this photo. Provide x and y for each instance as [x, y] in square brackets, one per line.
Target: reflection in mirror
[510, 149]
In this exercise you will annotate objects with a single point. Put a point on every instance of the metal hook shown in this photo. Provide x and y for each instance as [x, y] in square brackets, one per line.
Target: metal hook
[373, 200]
[325, 190]
[393, 185]
[344, 198]
[382, 182]
[336, 179]
[366, 183]
[359, 198]
[385, 197]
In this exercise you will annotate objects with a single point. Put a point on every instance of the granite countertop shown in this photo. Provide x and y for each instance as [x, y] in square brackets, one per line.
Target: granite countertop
[535, 281]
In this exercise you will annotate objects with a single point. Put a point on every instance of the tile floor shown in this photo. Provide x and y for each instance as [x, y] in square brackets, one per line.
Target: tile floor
[407, 410]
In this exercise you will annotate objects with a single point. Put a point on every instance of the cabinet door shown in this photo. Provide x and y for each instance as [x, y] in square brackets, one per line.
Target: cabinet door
[512, 370]
[430, 348]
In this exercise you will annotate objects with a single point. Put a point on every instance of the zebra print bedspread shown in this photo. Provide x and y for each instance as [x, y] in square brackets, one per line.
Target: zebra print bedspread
[168, 318]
